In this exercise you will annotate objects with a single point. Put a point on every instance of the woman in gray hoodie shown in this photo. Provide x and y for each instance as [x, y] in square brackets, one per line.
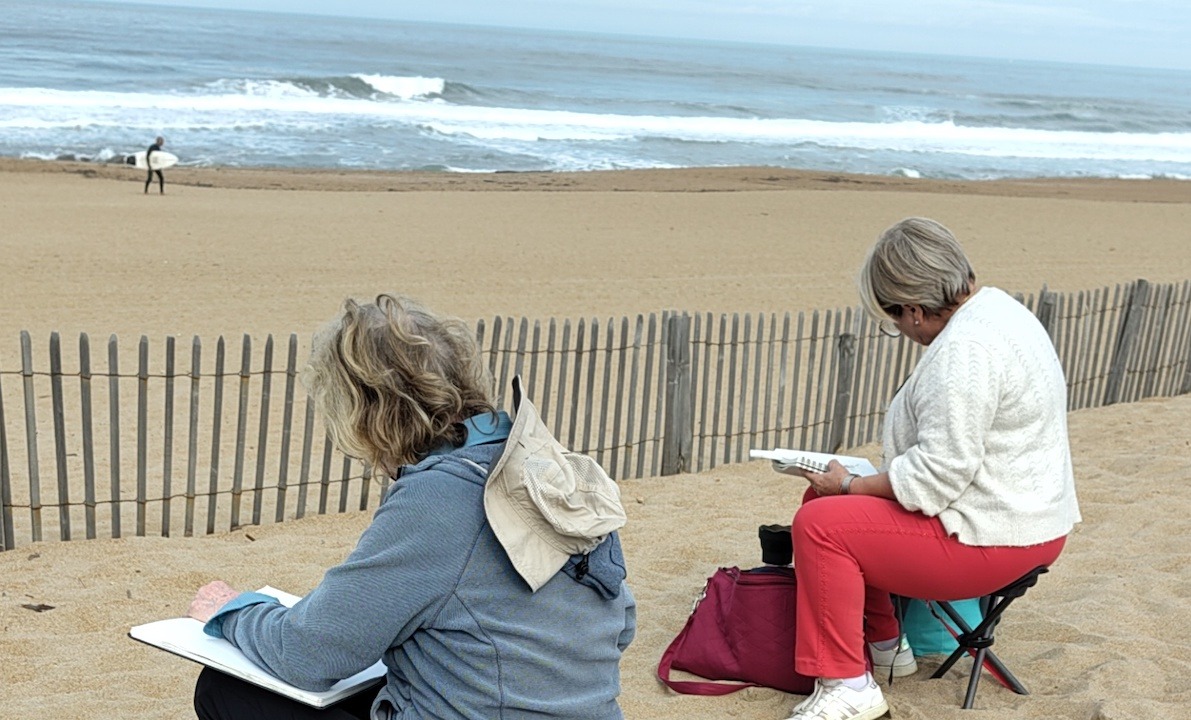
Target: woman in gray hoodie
[464, 628]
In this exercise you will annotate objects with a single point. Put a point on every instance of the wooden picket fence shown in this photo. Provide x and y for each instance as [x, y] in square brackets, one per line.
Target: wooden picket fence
[646, 396]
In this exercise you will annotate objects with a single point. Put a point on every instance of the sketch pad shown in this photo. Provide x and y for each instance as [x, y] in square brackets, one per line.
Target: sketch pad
[185, 637]
[784, 458]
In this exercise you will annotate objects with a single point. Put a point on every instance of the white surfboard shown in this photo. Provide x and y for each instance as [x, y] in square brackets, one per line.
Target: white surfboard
[161, 160]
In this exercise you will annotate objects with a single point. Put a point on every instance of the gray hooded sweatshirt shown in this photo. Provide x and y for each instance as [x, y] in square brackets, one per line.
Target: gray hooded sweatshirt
[431, 592]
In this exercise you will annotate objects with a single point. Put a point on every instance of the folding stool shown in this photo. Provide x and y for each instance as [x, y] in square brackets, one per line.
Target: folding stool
[978, 641]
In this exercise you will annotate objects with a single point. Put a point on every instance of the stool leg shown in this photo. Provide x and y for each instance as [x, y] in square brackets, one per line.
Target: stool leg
[959, 651]
[951, 660]
[974, 680]
[1014, 684]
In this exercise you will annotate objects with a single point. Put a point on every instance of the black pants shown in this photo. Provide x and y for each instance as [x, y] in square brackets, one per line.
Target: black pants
[222, 697]
[160, 180]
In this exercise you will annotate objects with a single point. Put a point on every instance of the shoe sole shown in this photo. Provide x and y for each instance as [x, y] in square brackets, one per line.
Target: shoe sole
[874, 713]
[882, 671]
[870, 714]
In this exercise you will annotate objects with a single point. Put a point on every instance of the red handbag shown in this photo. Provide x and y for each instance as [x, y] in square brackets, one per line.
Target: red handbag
[741, 629]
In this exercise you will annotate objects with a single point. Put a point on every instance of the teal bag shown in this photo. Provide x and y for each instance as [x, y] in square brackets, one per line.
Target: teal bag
[926, 633]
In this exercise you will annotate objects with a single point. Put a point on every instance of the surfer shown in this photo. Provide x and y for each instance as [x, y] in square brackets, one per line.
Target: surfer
[155, 147]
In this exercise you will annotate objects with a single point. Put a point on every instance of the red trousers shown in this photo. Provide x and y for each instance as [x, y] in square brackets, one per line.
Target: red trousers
[852, 551]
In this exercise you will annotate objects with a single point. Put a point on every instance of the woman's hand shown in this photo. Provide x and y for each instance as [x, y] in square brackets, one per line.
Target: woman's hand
[209, 599]
[827, 483]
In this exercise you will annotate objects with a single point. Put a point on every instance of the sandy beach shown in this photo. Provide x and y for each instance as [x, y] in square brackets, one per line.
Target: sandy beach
[225, 252]
[237, 251]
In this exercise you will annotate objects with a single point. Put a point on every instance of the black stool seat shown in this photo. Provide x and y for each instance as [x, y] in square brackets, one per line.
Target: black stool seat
[978, 641]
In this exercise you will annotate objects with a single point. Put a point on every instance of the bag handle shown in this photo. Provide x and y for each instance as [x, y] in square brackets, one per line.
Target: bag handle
[688, 687]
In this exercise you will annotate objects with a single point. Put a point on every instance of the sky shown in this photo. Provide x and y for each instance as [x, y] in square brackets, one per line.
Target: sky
[1147, 33]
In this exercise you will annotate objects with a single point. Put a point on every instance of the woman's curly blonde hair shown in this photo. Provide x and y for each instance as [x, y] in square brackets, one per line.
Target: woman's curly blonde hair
[392, 380]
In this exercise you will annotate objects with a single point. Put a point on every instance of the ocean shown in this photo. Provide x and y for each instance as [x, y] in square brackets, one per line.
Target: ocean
[98, 81]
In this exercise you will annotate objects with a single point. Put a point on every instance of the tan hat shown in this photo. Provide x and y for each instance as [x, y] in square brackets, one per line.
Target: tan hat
[544, 502]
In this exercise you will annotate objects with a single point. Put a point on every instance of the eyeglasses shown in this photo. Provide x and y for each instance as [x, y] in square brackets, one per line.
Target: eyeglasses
[887, 325]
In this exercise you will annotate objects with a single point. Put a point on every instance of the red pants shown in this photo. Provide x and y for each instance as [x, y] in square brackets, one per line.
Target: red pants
[852, 551]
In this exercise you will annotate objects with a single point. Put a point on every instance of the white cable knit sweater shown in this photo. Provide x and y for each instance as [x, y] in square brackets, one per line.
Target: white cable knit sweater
[978, 433]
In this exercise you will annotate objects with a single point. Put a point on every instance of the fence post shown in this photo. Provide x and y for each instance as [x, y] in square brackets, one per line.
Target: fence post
[679, 429]
[1126, 338]
[7, 541]
[59, 416]
[1046, 312]
[114, 428]
[142, 435]
[845, 349]
[1186, 387]
[31, 436]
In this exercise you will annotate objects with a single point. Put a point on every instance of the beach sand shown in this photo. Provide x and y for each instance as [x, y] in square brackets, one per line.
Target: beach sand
[229, 252]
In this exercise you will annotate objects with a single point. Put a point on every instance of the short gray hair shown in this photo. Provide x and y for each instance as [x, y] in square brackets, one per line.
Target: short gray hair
[393, 380]
[915, 262]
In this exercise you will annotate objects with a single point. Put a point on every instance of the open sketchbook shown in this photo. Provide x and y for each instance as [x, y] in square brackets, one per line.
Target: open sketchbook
[184, 636]
[787, 461]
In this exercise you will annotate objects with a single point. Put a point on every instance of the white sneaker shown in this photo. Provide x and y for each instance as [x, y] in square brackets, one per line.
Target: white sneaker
[901, 659]
[840, 702]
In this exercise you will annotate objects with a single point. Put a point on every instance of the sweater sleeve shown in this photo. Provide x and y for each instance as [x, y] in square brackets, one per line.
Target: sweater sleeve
[214, 626]
[954, 402]
[407, 563]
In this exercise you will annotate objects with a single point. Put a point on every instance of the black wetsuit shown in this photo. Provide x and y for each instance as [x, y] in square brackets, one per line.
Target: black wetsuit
[149, 178]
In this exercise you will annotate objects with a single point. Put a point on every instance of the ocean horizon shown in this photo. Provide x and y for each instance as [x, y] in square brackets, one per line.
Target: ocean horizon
[98, 81]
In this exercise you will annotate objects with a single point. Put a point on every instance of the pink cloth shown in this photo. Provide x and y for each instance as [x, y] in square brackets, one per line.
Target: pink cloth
[852, 551]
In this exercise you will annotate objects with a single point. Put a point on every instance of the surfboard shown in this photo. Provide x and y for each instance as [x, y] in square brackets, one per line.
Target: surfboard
[161, 160]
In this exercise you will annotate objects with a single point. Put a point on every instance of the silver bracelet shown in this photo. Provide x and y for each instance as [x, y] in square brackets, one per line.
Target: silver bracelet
[845, 487]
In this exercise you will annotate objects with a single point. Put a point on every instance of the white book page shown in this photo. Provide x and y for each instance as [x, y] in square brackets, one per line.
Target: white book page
[185, 637]
[787, 457]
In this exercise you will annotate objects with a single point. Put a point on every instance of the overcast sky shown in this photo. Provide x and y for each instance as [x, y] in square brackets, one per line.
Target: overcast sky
[1153, 33]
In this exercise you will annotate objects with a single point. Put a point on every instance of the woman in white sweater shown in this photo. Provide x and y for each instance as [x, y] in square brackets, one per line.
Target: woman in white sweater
[975, 487]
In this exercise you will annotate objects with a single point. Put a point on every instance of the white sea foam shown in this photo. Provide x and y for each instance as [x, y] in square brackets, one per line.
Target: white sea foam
[260, 88]
[406, 88]
[243, 105]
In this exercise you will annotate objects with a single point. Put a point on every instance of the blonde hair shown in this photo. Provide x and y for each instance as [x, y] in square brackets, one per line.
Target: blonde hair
[915, 262]
[392, 380]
